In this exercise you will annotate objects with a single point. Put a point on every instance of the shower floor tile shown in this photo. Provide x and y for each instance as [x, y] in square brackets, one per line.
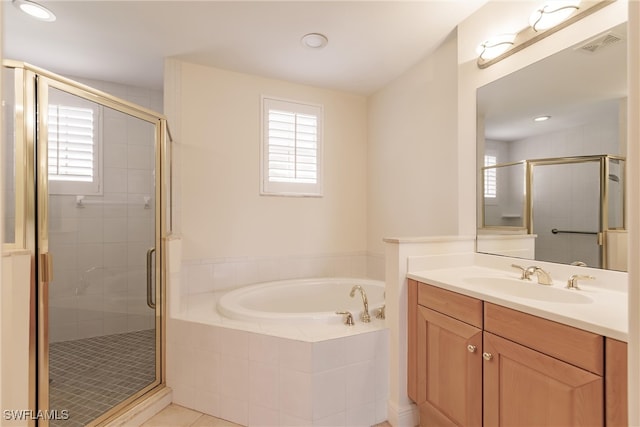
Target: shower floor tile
[90, 376]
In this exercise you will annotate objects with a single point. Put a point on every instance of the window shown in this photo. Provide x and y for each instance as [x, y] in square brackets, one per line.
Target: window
[73, 149]
[291, 148]
[490, 189]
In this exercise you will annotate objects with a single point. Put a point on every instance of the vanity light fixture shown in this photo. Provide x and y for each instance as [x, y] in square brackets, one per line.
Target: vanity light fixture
[34, 10]
[541, 118]
[495, 46]
[314, 40]
[552, 14]
[562, 12]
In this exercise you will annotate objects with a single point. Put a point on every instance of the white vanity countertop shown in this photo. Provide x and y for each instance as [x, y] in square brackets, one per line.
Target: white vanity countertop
[605, 313]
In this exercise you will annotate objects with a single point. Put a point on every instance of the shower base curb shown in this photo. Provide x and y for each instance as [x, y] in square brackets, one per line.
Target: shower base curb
[144, 410]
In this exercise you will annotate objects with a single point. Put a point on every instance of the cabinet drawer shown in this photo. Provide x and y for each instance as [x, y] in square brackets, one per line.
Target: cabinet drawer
[575, 346]
[461, 307]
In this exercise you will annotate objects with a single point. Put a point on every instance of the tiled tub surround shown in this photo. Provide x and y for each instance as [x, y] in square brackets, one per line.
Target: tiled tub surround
[255, 374]
[220, 274]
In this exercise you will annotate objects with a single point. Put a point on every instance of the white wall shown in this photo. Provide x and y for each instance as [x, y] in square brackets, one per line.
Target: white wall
[14, 319]
[214, 116]
[412, 152]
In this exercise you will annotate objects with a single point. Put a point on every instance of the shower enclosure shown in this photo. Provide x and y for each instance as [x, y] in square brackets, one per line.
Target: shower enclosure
[85, 196]
[573, 205]
[577, 206]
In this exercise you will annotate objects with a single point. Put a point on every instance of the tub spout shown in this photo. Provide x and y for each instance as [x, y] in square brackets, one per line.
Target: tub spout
[365, 317]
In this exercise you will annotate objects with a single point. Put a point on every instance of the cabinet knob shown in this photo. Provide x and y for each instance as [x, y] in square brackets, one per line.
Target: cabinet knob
[487, 356]
[471, 348]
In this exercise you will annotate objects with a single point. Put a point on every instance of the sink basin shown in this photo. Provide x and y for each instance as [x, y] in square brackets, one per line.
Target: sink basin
[530, 290]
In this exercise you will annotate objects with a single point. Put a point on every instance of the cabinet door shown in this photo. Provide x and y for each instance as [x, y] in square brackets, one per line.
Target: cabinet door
[523, 387]
[449, 370]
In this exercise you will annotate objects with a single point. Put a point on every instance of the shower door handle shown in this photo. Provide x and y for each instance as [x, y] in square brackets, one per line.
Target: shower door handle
[46, 267]
[150, 302]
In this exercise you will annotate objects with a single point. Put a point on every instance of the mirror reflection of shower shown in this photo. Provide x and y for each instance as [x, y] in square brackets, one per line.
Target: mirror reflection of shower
[588, 116]
[566, 212]
[574, 208]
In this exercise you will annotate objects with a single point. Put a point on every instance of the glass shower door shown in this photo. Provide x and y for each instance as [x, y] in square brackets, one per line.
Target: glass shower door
[102, 232]
[566, 214]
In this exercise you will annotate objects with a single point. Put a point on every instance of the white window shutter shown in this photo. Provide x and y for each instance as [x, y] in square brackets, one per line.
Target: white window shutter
[291, 150]
[71, 144]
[490, 177]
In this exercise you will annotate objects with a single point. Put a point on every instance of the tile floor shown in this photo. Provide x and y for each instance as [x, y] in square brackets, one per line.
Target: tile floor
[91, 375]
[178, 416]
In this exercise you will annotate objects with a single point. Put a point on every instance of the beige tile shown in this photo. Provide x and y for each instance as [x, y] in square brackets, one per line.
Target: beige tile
[209, 421]
[173, 416]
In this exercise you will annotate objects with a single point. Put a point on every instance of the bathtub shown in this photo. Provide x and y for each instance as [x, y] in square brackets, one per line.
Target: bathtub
[301, 300]
[276, 354]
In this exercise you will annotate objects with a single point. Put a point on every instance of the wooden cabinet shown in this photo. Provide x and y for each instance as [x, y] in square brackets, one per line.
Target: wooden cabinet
[447, 356]
[615, 383]
[473, 363]
[449, 377]
[523, 387]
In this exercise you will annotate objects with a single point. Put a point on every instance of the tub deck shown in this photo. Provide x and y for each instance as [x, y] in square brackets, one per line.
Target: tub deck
[201, 308]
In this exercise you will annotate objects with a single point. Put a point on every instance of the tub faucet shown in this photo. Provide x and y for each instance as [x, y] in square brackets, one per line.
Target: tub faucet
[365, 317]
[348, 320]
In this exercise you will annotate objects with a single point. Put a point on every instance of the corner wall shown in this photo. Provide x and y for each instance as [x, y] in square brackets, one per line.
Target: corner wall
[412, 152]
[229, 231]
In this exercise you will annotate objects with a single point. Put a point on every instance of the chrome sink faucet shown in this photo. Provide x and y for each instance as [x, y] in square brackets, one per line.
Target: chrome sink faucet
[365, 317]
[525, 274]
[544, 278]
[572, 283]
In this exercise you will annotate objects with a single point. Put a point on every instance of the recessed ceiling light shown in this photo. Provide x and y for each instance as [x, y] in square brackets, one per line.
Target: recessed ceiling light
[34, 10]
[314, 40]
[541, 118]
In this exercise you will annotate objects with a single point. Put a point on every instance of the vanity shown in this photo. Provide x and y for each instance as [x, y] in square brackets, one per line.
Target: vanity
[487, 348]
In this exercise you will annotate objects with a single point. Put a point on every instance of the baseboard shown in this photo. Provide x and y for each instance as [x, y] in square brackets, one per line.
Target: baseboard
[404, 416]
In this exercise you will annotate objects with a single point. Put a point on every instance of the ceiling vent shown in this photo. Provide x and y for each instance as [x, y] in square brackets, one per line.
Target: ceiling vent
[599, 43]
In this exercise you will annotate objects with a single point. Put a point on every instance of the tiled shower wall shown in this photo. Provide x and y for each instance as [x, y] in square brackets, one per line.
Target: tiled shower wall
[562, 207]
[99, 250]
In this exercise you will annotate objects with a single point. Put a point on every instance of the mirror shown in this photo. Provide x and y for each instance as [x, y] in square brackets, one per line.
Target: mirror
[553, 190]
